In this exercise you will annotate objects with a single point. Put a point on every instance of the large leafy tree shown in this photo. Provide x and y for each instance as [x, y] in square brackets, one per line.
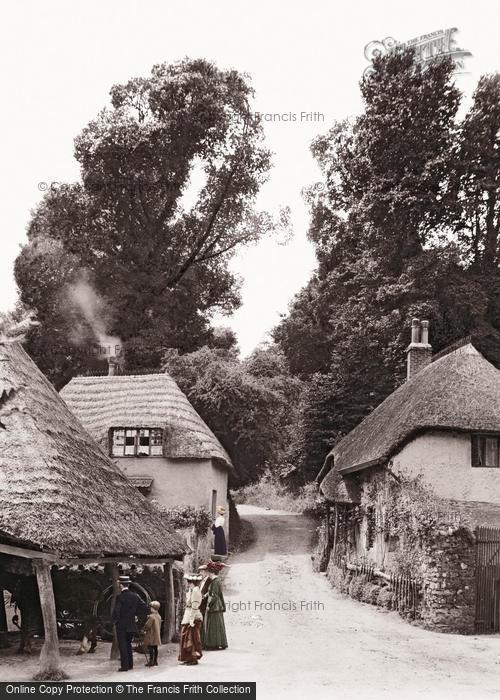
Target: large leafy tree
[170, 173]
[249, 404]
[474, 193]
[382, 224]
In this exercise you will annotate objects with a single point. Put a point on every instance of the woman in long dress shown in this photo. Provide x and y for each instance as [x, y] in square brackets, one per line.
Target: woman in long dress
[213, 634]
[220, 546]
[190, 644]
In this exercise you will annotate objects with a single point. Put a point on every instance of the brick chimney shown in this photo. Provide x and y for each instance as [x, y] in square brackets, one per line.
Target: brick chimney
[418, 352]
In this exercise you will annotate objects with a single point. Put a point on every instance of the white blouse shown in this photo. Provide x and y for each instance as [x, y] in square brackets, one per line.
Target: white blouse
[193, 602]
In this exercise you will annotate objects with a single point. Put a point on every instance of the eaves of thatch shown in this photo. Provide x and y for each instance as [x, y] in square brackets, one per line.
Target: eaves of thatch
[143, 400]
[341, 490]
[457, 392]
[59, 492]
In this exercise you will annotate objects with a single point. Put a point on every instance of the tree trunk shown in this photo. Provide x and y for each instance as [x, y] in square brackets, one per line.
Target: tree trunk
[113, 573]
[335, 534]
[491, 242]
[169, 624]
[50, 662]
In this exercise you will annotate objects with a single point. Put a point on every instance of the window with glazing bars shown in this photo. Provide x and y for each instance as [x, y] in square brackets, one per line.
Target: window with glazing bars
[485, 450]
[136, 442]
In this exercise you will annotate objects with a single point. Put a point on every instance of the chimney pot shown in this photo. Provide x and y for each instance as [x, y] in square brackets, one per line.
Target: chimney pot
[415, 330]
[418, 352]
[425, 333]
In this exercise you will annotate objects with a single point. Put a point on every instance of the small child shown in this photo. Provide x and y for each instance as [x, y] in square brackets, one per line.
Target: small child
[152, 636]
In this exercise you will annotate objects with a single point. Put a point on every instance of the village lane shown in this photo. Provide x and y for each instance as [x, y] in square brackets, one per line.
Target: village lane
[293, 634]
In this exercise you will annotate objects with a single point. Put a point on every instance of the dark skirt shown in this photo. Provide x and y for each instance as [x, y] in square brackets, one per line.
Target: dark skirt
[190, 644]
[220, 546]
[214, 631]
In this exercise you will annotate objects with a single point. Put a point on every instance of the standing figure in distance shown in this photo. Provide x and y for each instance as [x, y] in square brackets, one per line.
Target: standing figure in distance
[127, 607]
[152, 636]
[220, 546]
[214, 631]
[190, 644]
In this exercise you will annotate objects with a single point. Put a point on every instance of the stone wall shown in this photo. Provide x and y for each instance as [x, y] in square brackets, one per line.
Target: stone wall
[446, 573]
[449, 584]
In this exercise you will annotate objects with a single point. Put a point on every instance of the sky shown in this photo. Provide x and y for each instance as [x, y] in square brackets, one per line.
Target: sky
[59, 60]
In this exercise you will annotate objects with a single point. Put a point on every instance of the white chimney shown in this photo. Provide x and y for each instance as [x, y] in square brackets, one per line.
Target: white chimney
[112, 366]
[418, 352]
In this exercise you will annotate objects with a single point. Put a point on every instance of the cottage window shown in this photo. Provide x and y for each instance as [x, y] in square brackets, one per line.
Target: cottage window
[136, 442]
[485, 451]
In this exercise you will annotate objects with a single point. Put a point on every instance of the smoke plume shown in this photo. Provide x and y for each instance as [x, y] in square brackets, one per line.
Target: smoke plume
[84, 299]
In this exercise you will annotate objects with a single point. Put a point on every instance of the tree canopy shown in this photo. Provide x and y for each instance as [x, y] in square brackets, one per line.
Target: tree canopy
[250, 405]
[169, 177]
[401, 223]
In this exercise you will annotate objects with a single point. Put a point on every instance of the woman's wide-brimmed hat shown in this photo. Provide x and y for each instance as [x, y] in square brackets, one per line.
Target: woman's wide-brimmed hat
[221, 510]
[195, 578]
[214, 567]
[155, 605]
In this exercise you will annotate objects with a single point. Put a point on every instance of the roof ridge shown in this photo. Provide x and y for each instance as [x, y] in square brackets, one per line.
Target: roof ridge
[461, 392]
[466, 340]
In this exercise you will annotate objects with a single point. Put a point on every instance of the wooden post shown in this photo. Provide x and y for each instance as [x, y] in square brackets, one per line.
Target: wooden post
[4, 643]
[169, 624]
[113, 573]
[327, 525]
[335, 532]
[50, 662]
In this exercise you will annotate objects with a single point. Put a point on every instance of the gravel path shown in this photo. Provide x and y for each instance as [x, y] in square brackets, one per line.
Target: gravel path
[289, 631]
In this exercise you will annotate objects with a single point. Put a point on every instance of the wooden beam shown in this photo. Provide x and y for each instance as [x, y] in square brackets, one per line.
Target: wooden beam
[27, 553]
[113, 573]
[74, 561]
[50, 662]
[169, 623]
[56, 558]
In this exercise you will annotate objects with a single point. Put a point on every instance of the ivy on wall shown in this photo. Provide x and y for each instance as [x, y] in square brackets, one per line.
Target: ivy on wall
[409, 516]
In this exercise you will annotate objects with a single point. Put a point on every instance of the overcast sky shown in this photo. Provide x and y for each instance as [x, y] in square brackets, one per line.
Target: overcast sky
[59, 60]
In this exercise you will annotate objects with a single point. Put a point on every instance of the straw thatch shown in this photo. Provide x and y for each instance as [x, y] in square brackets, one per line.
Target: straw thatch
[143, 401]
[460, 391]
[58, 490]
[344, 490]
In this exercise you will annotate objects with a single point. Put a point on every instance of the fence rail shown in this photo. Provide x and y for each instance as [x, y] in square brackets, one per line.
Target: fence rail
[406, 589]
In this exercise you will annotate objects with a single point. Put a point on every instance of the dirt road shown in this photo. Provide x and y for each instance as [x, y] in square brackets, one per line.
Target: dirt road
[296, 637]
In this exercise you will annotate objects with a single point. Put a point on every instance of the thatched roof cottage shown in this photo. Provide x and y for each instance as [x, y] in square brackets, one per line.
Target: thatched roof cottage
[443, 423]
[146, 424]
[431, 450]
[62, 499]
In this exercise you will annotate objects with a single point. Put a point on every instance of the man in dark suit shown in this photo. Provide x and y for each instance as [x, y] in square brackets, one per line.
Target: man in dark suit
[127, 607]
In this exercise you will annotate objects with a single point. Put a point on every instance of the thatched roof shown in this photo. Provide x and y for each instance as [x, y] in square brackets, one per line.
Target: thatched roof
[58, 490]
[143, 401]
[460, 391]
[344, 490]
